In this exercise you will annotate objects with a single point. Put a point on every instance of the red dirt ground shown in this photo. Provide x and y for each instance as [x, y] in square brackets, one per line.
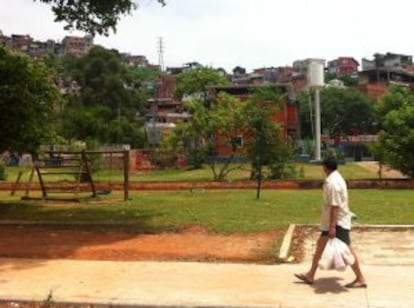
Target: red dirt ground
[192, 244]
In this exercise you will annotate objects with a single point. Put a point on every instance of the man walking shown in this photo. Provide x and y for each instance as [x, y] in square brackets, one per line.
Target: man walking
[335, 222]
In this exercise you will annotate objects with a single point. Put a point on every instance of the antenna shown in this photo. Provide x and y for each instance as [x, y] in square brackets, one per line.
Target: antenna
[161, 54]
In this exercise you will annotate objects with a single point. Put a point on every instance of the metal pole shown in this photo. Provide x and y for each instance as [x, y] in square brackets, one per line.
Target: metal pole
[126, 175]
[317, 125]
[259, 175]
[154, 131]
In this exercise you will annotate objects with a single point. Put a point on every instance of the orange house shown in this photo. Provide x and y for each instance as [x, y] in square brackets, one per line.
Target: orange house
[287, 115]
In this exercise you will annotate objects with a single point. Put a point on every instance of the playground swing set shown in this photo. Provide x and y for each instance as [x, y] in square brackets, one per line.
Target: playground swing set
[67, 176]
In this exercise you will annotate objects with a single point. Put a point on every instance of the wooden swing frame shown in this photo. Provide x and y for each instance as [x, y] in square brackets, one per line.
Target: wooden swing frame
[56, 164]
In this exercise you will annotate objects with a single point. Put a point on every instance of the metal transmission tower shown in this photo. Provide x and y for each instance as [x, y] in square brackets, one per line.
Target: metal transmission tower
[161, 54]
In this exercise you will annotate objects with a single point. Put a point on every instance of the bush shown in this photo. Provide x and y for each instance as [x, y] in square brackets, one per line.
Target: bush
[283, 170]
[197, 157]
[3, 175]
[163, 158]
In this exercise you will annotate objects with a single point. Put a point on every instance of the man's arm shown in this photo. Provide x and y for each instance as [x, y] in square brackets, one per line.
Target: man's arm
[332, 221]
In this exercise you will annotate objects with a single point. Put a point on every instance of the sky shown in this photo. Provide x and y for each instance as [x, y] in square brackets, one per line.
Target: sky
[247, 33]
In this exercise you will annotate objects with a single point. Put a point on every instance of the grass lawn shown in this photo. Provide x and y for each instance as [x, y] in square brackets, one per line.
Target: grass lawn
[219, 211]
[349, 170]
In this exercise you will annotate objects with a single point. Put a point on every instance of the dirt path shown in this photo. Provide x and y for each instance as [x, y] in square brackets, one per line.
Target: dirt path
[387, 172]
[193, 244]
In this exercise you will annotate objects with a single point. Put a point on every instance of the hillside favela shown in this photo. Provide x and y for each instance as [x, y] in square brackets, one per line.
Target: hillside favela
[162, 108]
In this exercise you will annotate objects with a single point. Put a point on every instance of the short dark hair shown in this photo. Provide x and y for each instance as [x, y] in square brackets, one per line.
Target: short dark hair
[330, 163]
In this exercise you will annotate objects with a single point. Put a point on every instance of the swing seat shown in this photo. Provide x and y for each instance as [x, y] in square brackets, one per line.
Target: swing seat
[103, 192]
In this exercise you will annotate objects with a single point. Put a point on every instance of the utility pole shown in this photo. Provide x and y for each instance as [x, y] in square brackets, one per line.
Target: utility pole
[318, 124]
[316, 81]
[161, 54]
[260, 162]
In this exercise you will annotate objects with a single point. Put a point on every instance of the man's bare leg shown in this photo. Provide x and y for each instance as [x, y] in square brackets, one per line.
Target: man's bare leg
[320, 246]
[359, 277]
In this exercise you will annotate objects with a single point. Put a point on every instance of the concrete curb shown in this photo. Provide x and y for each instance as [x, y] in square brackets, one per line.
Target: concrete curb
[287, 241]
[358, 226]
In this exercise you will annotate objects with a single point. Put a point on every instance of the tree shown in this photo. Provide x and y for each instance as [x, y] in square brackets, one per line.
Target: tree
[396, 114]
[217, 126]
[109, 98]
[396, 98]
[230, 120]
[267, 146]
[27, 98]
[91, 16]
[199, 135]
[238, 70]
[197, 81]
[349, 81]
[344, 111]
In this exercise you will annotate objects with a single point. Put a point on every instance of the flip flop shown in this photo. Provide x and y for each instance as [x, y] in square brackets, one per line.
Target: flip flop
[356, 284]
[303, 278]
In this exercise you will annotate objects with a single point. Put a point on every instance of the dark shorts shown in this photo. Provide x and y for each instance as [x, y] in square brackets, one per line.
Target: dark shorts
[341, 233]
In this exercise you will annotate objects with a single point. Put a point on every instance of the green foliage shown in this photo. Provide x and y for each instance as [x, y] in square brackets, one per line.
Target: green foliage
[189, 137]
[379, 155]
[91, 16]
[225, 121]
[343, 112]
[349, 81]
[197, 137]
[122, 131]
[268, 95]
[197, 157]
[396, 114]
[396, 98]
[109, 97]
[280, 163]
[196, 81]
[102, 78]
[210, 128]
[268, 147]
[3, 175]
[166, 155]
[27, 99]
[140, 75]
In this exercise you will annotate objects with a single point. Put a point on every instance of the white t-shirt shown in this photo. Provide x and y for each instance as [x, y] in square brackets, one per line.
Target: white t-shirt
[335, 193]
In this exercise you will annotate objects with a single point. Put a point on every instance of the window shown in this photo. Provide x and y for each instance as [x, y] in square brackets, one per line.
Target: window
[237, 141]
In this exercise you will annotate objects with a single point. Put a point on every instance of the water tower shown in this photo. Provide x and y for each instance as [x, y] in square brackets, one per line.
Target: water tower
[316, 68]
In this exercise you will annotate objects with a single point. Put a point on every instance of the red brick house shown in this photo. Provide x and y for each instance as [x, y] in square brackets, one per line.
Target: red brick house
[287, 116]
[386, 69]
[343, 66]
[21, 42]
[137, 61]
[76, 46]
[163, 110]
[375, 82]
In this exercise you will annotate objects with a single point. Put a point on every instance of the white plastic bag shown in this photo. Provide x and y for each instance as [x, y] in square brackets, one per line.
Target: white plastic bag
[327, 259]
[336, 255]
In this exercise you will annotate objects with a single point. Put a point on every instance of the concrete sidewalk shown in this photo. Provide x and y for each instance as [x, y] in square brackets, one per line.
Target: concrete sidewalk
[175, 284]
